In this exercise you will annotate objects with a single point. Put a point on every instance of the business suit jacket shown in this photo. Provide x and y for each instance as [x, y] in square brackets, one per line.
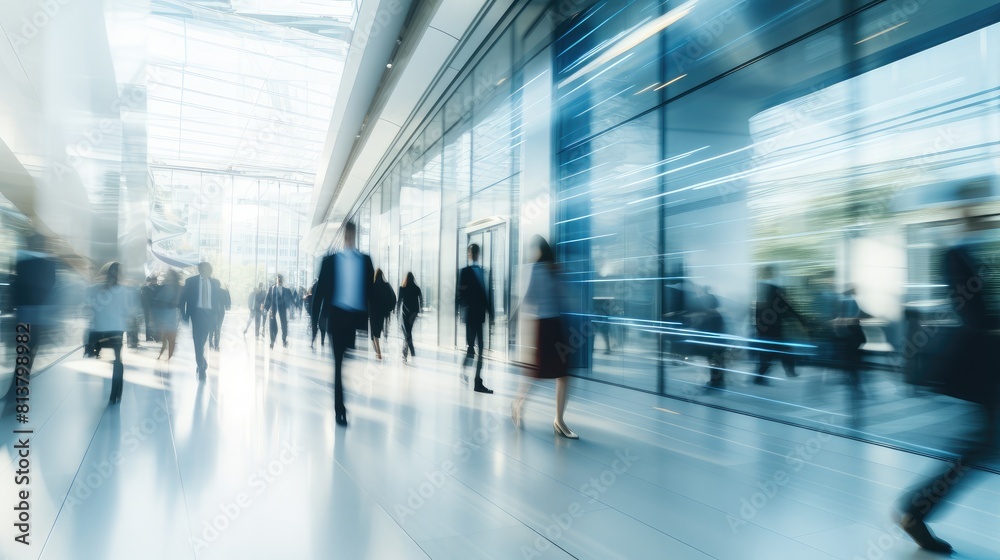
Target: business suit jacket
[189, 297]
[322, 300]
[772, 311]
[278, 298]
[962, 270]
[474, 298]
[33, 288]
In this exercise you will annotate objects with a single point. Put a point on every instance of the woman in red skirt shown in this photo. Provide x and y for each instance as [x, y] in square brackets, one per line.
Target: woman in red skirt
[541, 302]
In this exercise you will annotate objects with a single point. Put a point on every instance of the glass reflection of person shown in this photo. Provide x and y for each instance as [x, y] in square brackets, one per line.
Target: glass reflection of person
[711, 321]
[771, 313]
[606, 310]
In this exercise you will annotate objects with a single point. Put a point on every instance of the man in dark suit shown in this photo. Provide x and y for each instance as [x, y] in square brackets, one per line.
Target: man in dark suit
[970, 374]
[476, 303]
[276, 305]
[256, 303]
[226, 303]
[200, 304]
[146, 295]
[771, 313]
[33, 291]
[343, 291]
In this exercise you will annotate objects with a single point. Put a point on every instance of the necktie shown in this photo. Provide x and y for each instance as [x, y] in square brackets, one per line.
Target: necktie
[204, 293]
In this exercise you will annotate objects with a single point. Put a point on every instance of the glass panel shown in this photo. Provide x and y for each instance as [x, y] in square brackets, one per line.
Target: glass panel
[227, 94]
[612, 249]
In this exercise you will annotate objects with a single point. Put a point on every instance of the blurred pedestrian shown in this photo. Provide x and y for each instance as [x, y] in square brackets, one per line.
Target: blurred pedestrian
[200, 302]
[411, 301]
[541, 301]
[344, 288]
[112, 305]
[969, 372]
[225, 303]
[848, 338]
[146, 294]
[134, 319]
[165, 304]
[320, 322]
[256, 304]
[475, 302]
[710, 320]
[771, 313]
[383, 300]
[277, 305]
[33, 291]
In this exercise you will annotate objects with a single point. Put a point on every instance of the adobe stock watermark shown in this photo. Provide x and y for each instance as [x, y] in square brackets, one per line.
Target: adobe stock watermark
[420, 495]
[258, 482]
[482, 84]
[701, 41]
[100, 472]
[943, 140]
[378, 24]
[106, 131]
[563, 10]
[793, 122]
[32, 26]
[900, 14]
[768, 488]
[894, 533]
[595, 488]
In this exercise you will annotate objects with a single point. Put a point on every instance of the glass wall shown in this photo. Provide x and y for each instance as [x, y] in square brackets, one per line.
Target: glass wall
[696, 168]
[693, 157]
[455, 184]
[249, 229]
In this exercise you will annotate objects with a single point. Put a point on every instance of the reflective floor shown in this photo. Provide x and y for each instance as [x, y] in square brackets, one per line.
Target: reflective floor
[251, 465]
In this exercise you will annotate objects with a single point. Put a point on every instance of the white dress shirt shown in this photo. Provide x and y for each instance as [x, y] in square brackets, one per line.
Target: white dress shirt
[348, 290]
[204, 293]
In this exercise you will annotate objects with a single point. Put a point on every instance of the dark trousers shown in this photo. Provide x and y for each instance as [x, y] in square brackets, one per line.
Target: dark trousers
[342, 326]
[258, 320]
[321, 329]
[216, 334]
[474, 336]
[113, 340]
[92, 346]
[717, 364]
[132, 335]
[151, 331]
[202, 323]
[408, 320]
[275, 314]
[96, 340]
[769, 353]
[921, 500]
